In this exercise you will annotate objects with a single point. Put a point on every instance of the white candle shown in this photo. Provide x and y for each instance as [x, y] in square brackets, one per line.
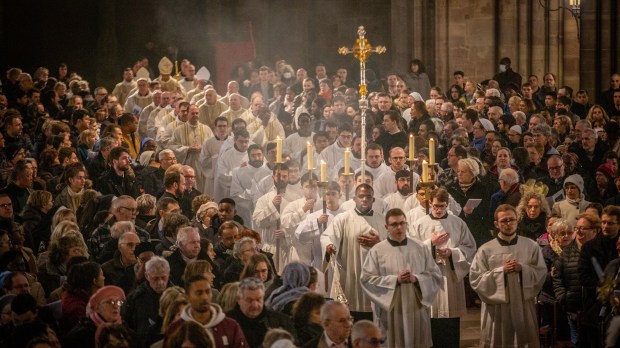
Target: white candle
[424, 171]
[278, 150]
[347, 160]
[431, 151]
[310, 154]
[323, 171]
[411, 147]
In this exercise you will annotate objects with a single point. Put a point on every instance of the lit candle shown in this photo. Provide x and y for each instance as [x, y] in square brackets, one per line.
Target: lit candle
[411, 147]
[310, 154]
[278, 150]
[347, 160]
[323, 171]
[431, 151]
[424, 171]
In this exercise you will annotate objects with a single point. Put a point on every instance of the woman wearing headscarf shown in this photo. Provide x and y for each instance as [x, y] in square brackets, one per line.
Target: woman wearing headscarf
[295, 279]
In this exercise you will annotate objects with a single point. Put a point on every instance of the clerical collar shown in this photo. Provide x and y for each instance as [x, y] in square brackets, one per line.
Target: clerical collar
[445, 216]
[395, 243]
[503, 242]
[369, 213]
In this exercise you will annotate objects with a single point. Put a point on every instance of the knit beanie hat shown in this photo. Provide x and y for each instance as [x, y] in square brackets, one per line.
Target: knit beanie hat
[104, 293]
[576, 180]
[607, 170]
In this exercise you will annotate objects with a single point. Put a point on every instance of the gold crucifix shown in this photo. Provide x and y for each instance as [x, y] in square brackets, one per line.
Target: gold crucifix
[361, 51]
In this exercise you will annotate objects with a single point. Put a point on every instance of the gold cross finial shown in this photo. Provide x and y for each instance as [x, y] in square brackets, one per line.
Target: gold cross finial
[361, 51]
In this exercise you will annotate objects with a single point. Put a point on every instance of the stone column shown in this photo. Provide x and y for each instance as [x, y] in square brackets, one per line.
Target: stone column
[107, 48]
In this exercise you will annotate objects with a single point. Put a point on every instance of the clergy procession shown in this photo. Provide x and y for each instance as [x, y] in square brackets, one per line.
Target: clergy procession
[294, 209]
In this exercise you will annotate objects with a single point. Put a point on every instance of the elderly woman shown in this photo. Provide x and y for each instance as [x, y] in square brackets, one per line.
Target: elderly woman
[566, 284]
[473, 196]
[82, 282]
[532, 213]
[295, 279]
[36, 220]
[61, 251]
[242, 251]
[71, 195]
[307, 316]
[104, 307]
[575, 203]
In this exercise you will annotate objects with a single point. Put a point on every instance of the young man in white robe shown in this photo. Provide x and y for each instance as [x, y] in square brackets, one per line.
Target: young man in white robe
[309, 231]
[187, 140]
[267, 218]
[298, 141]
[234, 157]
[209, 154]
[403, 190]
[375, 164]
[244, 182]
[335, 152]
[146, 112]
[402, 279]
[297, 211]
[507, 273]
[293, 189]
[355, 160]
[379, 206]
[348, 239]
[452, 245]
[385, 183]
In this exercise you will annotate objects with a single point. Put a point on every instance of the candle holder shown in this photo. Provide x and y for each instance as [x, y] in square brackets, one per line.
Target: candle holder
[427, 186]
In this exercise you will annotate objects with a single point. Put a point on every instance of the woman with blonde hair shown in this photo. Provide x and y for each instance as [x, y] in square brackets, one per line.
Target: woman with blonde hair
[171, 304]
[597, 116]
[61, 251]
[204, 268]
[228, 297]
[86, 142]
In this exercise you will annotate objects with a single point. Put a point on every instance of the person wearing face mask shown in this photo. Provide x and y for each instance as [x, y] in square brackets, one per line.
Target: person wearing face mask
[506, 76]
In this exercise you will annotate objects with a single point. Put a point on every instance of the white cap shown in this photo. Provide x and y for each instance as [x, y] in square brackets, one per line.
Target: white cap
[203, 74]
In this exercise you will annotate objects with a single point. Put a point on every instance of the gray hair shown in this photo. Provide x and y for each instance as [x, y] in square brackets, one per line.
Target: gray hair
[157, 264]
[164, 152]
[509, 175]
[360, 328]
[542, 128]
[471, 164]
[184, 232]
[584, 122]
[590, 131]
[118, 201]
[108, 142]
[519, 115]
[125, 235]
[326, 310]
[239, 244]
[493, 92]
[121, 227]
[250, 283]
[146, 203]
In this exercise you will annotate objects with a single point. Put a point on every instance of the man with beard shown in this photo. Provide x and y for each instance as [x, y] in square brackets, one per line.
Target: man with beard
[232, 158]
[355, 160]
[123, 88]
[297, 211]
[225, 331]
[348, 239]
[116, 180]
[244, 181]
[403, 190]
[174, 183]
[293, 189]
[385, 183]
[267, 216]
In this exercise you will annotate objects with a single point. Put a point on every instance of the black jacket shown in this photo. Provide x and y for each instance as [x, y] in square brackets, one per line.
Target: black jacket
[177, 265]
[151, 181]
[565, 281]
[479, 221]
[117, 274]
[140, 310]
[110, 183]
[256, 328]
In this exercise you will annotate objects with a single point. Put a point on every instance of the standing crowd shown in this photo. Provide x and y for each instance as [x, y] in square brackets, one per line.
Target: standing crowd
[167, 213]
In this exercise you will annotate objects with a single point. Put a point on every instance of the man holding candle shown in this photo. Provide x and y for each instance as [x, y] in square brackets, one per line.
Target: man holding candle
[385, 184]
[351, 162]
[266, 216]
[296, 212]
[335, 152]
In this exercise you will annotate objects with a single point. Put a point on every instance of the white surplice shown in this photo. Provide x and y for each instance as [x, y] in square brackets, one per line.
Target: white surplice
[185, 136]
[402, 311]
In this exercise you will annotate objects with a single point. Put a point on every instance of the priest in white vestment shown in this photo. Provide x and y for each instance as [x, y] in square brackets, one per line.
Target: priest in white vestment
[385, 183]
[122, 89]
[244, 183]
[235, 110]
[507, 273]
[348, 239]
[146, 112]
[212, 108]
[403, 190]
[335, 152]
[187, 140]
[140, 99]
[209, 153]
[166, 130]
[452, 245]
[402, 279]
[234, 157]
[267, 217]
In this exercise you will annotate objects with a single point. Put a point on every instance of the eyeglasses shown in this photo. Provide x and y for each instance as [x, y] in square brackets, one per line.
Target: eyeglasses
[112, 302]
[6, 205]
[556, 167]
[439, 206]
[581, 229]
[508, 221]
[130, 209]
[398, 224]
[373, 341]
